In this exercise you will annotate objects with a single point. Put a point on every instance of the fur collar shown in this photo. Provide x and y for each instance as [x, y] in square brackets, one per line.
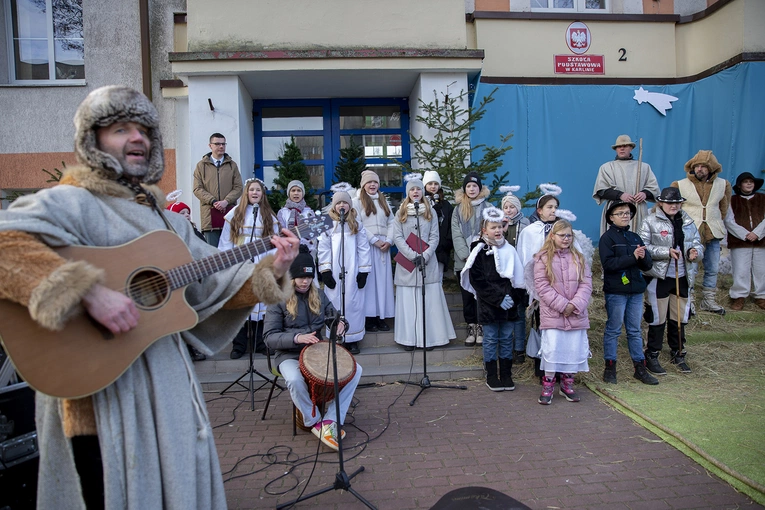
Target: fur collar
[95, 182]
[460, 195]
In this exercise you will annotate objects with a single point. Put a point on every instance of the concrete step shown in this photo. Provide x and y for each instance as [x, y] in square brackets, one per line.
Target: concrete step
[380, 364]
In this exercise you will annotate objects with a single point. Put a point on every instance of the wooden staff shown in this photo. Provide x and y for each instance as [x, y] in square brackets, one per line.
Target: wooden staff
[679, 320]
[637, 184]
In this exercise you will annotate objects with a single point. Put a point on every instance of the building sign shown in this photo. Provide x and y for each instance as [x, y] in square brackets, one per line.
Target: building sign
[579, 64]
[578, 37]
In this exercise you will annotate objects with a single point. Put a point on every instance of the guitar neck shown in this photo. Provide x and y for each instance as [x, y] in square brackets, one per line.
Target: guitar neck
[193, 271]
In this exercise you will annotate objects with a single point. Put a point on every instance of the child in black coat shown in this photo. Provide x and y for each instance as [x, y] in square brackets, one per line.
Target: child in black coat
[624, 257]
[494, 274]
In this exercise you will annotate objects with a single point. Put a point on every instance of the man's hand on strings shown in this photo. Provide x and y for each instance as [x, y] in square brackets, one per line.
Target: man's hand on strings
[112, 309]
[287, 248]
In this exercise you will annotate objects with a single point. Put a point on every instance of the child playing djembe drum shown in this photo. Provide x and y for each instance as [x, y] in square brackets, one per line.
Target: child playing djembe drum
[294, 325]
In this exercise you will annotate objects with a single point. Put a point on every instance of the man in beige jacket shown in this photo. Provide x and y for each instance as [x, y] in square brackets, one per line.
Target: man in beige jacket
[708, 198]
[217, 185]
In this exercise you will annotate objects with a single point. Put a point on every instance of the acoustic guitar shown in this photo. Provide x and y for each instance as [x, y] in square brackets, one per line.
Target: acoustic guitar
[86, 357]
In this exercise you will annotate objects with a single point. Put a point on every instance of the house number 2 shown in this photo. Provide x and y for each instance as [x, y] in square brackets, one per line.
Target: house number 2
[623, 57]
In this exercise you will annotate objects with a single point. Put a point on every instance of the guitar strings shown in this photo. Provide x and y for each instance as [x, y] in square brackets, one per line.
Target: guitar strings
[155, 285]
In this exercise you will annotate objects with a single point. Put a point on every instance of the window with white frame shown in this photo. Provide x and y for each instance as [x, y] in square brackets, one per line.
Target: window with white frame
[569, 5]
[46, 40]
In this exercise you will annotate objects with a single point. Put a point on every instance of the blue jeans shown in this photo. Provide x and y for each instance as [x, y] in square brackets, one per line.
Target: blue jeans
[497, 337]
[624, 309]
[519, 331]
[711, 263]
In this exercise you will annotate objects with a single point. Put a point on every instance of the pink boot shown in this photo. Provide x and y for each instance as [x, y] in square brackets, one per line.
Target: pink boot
[548, 387]
[567, 387]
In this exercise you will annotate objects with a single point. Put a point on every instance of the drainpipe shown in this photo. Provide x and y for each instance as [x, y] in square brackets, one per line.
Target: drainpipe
[143, 14]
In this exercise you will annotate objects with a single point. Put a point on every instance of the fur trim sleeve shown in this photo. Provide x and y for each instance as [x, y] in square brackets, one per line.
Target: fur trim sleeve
[262, 287]
[78, 417]
[37, 277]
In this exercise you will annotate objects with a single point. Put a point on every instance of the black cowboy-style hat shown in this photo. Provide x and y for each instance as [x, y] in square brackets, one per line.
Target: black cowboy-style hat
[619, 203]
[670, 195]
[746, 175]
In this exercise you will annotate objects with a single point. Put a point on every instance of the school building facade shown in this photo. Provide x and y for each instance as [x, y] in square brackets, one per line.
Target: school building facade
[570, 75]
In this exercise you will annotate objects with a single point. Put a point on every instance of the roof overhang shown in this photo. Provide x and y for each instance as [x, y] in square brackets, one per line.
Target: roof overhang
[328, 73]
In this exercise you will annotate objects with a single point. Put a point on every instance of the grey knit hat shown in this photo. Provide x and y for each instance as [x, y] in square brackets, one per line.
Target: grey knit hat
[297, 183]
[341, 193]
[414, 180]
[105, 106]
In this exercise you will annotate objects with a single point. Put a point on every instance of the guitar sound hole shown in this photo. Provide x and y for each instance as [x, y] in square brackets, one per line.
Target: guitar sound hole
[148, 289]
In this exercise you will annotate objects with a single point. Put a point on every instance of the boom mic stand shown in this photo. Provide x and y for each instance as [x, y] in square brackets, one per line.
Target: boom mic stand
[342, 480]
[424, 383]
[251, 336]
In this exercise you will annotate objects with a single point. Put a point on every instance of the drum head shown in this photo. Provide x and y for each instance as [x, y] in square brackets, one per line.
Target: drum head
[316, 360]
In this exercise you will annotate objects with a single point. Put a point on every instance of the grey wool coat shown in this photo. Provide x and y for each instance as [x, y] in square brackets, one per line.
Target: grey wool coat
[154, 433]
[430, 235]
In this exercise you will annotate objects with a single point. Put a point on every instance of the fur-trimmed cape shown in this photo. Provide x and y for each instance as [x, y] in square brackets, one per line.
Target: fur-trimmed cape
[152, 424]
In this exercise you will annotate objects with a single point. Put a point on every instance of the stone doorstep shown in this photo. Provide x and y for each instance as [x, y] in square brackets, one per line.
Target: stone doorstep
[446, 372]
[381, 364]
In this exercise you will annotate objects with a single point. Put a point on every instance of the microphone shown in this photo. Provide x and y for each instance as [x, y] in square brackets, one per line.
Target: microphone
[416, 205]
[342, 215]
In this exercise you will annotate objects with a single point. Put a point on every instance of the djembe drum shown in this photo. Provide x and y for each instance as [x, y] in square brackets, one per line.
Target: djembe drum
[316, 367]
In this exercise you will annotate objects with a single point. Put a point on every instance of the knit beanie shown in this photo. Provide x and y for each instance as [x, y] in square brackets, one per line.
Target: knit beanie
[369, 176]
[512, 199]
[414, 181]
[303, 265]
[104, 107]
[431, 176]
[341, 194]
[297, 183]
[178, 207]
[472, 177]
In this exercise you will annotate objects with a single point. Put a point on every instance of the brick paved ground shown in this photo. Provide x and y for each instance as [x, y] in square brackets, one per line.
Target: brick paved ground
[568, 455]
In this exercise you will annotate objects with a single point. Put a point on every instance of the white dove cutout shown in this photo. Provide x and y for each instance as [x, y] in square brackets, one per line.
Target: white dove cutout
[662, 102]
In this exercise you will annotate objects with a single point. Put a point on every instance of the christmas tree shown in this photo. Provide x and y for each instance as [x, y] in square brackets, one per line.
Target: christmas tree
[448, 152]
[351, 164]
[291, 168]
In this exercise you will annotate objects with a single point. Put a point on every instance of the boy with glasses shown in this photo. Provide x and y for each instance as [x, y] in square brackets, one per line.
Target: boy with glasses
[624, 257]
[217, 185]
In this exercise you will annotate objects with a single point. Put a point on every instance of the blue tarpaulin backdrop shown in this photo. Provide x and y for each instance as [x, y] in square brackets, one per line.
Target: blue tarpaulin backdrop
[563, 133]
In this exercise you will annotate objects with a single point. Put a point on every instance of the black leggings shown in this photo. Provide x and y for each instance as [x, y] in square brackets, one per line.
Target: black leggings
[87, 460]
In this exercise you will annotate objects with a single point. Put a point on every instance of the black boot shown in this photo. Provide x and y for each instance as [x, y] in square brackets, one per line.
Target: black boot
[506, 374]
[642, 375]
[678, 359]
[519, 357]
[492, 380]
[538, 372]
[609, 374]
[371, 325]
[652, 363]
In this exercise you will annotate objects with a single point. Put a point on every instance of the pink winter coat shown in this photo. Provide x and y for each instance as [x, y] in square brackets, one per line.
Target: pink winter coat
[566, 289]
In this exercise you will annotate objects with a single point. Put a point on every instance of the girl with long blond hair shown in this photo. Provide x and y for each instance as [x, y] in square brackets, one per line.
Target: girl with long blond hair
[563, 283]
[408, 328]
[252, 218]
[471, 200]
[292, 326]
[345, 244]
[375, 213]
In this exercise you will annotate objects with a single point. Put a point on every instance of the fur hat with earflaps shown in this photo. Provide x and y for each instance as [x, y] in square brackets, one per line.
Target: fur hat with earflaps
[105, 106]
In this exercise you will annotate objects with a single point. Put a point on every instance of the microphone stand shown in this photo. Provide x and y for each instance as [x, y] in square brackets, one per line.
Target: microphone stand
[342, 480]
[251, 336]
[424, 383]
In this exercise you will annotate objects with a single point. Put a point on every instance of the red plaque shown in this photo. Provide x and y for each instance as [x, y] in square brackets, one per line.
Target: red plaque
[579, 64]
